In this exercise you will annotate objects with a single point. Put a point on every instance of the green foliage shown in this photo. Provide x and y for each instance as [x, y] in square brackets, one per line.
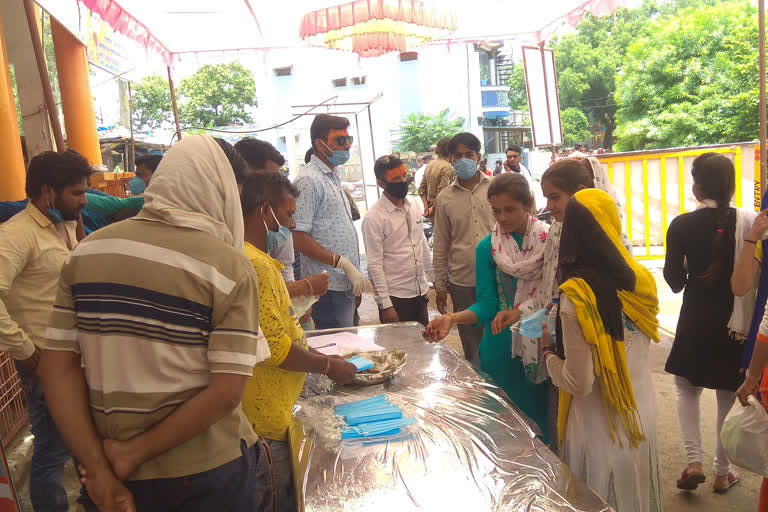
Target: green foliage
[152, 102]
[692, 79]
[50, 58]
[518, 95]
[673, 73]
[217, 95]
[420, 131]
[16, 99]
[485, 72]
[575, 127]
[588, 61]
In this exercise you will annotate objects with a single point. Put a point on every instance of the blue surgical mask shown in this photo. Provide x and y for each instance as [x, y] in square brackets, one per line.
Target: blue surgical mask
[338, 156]
[276, 238]
[55, 214]
[530, 327]
[465, 169]
[136, 186]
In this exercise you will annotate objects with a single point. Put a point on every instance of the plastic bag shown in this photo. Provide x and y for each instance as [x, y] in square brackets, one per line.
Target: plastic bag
[745, 436]
[302, 304]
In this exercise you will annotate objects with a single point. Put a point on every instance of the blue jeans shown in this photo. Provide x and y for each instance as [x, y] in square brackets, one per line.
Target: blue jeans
[334, 310]
[276, 469]
[50, 451]
[235, 486]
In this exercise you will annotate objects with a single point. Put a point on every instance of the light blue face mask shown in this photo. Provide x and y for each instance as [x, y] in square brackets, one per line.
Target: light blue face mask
[465, 169]
[55, 214]
[530, 327]
[338, 156]
[376, 429]
[137, 186]
[276, 238]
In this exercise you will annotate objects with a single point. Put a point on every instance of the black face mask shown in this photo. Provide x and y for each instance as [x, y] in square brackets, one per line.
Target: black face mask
[397, 190]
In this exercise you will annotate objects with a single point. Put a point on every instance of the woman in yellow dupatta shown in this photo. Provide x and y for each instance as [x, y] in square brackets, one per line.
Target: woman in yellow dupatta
[608, 307]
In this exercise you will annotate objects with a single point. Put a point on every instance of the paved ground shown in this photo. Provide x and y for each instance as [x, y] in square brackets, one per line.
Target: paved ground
[742, 498]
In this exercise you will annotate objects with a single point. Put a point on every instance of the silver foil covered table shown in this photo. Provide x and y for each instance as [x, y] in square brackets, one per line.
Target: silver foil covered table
[470, 450]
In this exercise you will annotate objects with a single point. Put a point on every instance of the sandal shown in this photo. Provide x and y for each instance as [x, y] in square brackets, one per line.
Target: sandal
[733, 479]
[690, 481]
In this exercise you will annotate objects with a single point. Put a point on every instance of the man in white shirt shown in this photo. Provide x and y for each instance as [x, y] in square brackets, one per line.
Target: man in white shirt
[262, 156]
[419, 176]
[398, 255]
[513, 164]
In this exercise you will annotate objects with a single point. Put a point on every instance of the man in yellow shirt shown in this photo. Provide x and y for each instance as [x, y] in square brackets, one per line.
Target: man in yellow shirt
[34, 245]
[269, 201]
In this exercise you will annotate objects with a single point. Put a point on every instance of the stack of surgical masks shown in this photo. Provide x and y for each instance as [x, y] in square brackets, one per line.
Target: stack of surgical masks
[371, 418]
[361, 363]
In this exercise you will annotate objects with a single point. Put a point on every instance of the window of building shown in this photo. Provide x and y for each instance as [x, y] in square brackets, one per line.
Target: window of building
[340, 82]
[406, 56]
[359, 80]
[286, 71]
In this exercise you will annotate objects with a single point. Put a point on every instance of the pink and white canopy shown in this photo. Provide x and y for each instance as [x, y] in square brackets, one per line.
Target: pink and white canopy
[174, 27]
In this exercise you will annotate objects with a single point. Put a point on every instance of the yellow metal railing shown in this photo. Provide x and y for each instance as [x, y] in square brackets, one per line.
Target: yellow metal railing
[663, 157]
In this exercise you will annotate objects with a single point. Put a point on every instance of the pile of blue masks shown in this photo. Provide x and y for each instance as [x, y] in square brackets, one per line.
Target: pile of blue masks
[360, 363]
[372, 418]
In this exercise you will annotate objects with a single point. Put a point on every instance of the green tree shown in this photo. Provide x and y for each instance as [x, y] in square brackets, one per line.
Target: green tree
[217, 95]
[420, 131]
[152, 102]
[575, 127]
[518, 95]
[50, 58]
[691, 79]
[16, 99]
[588, 62]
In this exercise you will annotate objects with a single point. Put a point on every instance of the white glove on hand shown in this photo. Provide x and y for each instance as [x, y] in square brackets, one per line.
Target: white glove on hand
[354, 275]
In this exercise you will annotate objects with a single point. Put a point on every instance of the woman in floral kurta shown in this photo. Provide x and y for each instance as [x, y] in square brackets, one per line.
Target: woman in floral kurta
[495, 293]
[508, 272]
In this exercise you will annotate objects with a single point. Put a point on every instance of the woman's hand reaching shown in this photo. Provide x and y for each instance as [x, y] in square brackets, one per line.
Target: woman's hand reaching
[438, 328]
[503, 320]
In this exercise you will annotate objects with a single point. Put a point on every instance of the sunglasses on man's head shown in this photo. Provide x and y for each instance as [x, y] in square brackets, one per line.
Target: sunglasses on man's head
[343, 139]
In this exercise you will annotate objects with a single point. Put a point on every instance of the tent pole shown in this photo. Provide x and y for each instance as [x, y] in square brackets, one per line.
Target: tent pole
[373, 145]
[173, 103]
[761, 22]
[130, 108]
[362, 165]
[42, 68]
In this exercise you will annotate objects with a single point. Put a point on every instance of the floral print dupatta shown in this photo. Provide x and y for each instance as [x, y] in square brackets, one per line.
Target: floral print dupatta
[525, 263]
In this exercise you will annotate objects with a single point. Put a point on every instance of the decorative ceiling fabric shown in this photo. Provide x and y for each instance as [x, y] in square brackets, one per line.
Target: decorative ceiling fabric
[173, 28]
[373, 27]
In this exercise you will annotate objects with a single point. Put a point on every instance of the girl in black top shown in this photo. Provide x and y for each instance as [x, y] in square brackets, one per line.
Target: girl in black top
[705, 354]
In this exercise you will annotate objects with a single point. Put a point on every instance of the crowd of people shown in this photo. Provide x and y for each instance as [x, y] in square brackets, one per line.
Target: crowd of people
[164, 348]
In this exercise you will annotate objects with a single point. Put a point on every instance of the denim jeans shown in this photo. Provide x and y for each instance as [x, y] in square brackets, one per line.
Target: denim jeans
[275, 467]
[334, 310]
[50, 451]
[235, 486]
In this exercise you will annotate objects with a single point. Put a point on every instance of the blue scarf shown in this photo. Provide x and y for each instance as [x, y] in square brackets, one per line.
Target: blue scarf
[762, 297]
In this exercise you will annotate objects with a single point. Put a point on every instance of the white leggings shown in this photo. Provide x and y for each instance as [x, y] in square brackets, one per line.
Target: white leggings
[689, 412]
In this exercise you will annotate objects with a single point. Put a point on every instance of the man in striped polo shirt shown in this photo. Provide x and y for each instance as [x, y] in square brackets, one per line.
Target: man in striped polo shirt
[162, 313]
